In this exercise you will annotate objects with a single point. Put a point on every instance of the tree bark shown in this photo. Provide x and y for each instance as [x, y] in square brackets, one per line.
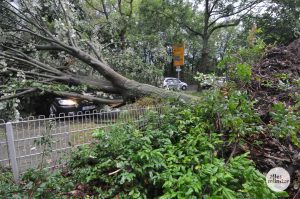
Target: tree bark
[204, 65]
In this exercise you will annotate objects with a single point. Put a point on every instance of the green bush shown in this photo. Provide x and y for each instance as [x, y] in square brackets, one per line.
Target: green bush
[36, 184]
[180, 159]
[179, 154]
[285, 122]
[8, 188]
[238, 63]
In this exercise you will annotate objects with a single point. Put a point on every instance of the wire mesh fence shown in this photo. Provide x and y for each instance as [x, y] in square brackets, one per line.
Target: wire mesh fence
[47, 141]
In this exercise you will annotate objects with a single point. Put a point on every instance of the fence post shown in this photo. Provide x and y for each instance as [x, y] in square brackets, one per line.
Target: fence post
[12, 150]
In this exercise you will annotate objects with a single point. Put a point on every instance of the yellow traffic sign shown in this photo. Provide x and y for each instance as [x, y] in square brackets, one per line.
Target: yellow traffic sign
[178, 54]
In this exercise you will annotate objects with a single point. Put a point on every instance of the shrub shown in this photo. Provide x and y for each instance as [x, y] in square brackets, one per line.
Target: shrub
[178, 154]
[180, 159]
[285, 122]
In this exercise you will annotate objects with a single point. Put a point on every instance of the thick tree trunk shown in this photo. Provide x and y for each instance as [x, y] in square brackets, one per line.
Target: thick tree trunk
[129, 88]
[204, 66]
[133, 89]
[205, 37]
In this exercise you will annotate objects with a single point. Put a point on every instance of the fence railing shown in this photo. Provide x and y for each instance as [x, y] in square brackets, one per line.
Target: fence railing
[47, 141]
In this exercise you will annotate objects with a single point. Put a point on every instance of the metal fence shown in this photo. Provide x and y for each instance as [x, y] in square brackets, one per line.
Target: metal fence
[46, 142]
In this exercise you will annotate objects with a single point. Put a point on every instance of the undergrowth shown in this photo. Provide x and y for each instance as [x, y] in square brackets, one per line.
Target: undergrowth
[184, 153]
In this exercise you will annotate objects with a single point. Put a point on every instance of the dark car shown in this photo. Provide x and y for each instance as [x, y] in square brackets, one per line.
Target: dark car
[48, 104]
[70, 106]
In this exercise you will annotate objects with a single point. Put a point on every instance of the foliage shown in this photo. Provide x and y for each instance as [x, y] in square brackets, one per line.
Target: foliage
[181, 153]
[37, 182]
[285, 122]
[45, 142]
[180, 159]
[14, 84]
[243, 71]
[209, 80]
[284, 27]
[110, 31]
[8, 109]
[45, 184]
[7, 185]
[135, 65]
[238, 65]
[149, 101]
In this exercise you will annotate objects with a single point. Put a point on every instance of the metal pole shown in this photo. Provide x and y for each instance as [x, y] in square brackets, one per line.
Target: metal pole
[178, 76]
[12, 150]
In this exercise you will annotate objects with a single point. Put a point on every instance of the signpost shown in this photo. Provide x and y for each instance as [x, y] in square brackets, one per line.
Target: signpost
[178, 54]
[178, 57]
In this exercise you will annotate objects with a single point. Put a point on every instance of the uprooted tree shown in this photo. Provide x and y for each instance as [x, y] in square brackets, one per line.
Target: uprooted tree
[45, 43]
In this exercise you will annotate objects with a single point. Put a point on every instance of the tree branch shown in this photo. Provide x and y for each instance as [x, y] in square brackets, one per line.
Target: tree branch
[33, 62]
[90, 98]
[37, 64]
[31, 90]
[49, 47]
[183, 24]
[65, 94]
[223, 26]
[98, 55]
[101, 85]
[213, 6]
[66, 18]
[224, 15]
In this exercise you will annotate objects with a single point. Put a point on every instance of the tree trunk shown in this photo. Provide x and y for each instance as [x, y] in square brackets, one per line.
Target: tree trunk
[204, 65]
[133, 89]
[130, 89]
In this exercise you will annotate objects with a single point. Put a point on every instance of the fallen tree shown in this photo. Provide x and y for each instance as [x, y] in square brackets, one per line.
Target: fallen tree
[46, 48]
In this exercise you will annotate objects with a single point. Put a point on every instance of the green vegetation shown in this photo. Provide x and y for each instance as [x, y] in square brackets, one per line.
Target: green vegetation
[216, 147]
[238, 63]
[286, 122]
[180, 154]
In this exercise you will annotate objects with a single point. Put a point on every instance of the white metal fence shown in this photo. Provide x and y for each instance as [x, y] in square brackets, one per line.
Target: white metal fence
[47, 142]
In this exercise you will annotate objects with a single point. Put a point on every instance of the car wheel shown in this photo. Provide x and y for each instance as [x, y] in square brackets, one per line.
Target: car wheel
[183, 87]
[52, 110]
